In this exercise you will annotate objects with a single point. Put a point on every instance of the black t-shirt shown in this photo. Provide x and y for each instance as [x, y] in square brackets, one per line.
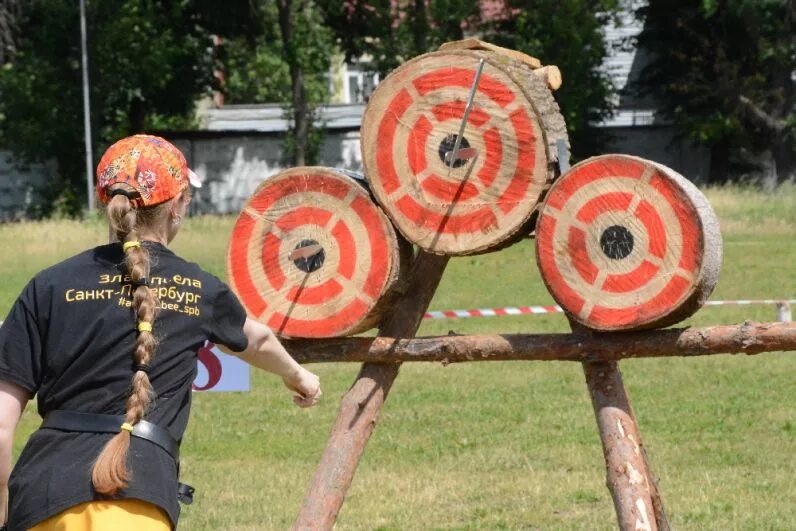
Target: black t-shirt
[69, 339]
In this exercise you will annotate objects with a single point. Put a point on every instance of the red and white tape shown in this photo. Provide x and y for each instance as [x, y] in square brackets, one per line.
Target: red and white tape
[525, 310]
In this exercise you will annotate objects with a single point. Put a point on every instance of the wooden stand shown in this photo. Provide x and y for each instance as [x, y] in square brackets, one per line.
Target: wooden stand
[748, 338]
[622, 244]
[633, 487]
[360, 407]
[628, 476]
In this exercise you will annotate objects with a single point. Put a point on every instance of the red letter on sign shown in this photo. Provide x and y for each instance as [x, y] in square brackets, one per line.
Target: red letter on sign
[212, 364]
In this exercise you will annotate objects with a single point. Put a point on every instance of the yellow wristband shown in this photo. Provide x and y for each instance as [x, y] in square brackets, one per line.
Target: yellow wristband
[143, 326]
[129, 245]
[127, 427]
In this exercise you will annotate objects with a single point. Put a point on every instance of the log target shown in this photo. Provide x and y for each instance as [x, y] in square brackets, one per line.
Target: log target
[312, 255]
[623, 243]
[485, 198]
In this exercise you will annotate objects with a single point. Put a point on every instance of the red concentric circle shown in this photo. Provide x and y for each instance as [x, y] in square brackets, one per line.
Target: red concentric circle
[334, 291]
[621, 243]
[412, 121]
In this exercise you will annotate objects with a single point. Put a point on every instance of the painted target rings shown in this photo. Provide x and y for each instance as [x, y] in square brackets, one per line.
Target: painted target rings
[312, 255]
[488, 194]
[624, 243]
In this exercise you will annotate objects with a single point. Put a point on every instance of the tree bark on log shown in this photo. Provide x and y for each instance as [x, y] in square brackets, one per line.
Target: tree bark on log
[360, 407]
[302, 114]
[628, 476]
[747, 338]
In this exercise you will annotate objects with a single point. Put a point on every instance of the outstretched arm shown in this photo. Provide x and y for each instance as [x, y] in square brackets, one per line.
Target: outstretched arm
[13, 400]
[266, 352]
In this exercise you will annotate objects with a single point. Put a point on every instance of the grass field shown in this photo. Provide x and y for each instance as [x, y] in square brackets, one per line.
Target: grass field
[499, 445]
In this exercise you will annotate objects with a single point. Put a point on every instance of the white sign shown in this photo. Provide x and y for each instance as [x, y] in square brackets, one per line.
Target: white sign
[219, 371]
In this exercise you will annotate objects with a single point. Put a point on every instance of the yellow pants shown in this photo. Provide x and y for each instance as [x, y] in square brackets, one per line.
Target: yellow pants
[116, 515]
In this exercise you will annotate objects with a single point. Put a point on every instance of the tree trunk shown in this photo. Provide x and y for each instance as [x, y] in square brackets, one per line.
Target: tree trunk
[784, 143]
[9, 30]
[300, 108]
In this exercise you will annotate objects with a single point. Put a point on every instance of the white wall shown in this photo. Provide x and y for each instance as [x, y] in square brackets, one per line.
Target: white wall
[233, 165]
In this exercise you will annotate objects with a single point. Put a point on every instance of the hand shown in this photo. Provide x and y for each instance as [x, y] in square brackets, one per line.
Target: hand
[307, 387]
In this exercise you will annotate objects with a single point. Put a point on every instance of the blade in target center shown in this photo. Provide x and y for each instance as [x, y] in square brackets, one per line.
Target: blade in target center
[464, 154]
[305, 252]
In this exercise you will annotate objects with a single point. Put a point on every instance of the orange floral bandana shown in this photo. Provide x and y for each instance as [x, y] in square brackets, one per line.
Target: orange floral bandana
[151, 167]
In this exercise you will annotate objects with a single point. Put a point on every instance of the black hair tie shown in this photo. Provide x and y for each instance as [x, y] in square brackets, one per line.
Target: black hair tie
[143, 367]
[143, 281]
[129, 194]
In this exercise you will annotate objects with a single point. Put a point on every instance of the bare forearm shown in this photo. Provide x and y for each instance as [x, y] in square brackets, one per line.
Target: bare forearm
[6, 441]
[13, 399]
[264, 351]
[267, 353]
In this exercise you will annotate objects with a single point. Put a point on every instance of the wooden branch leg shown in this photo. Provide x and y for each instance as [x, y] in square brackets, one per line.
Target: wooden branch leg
[362, 403]
[633, 488]
[359, 411]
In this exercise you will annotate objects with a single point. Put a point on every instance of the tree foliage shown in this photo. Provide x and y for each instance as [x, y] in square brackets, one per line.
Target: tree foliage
[724, 72]
[389, 32]
[570, 35]
[566, 33]
[149, 63]
[284, 59]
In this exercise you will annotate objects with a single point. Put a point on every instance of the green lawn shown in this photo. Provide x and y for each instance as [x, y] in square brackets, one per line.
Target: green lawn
[508, 445]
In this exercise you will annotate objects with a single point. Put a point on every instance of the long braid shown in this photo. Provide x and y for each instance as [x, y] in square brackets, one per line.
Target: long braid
[110, 473]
